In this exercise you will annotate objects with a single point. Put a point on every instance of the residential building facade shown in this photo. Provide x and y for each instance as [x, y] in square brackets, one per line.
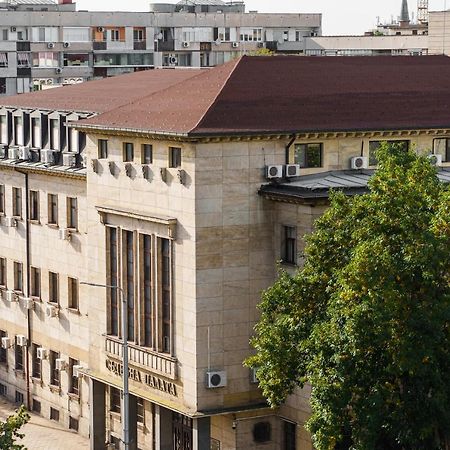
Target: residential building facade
[45, 44]
[188, 210]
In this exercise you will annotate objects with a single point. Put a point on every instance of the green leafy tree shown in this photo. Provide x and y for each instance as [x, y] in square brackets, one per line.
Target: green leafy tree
[366, 321]
[9, 430]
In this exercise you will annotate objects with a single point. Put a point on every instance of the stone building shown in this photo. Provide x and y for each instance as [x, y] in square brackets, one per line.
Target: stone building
[185, 191]
[45, 44]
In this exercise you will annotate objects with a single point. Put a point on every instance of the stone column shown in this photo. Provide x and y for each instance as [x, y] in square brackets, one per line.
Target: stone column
[97, 429]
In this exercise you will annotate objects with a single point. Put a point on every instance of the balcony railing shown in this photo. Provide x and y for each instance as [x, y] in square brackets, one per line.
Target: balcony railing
[154, 362]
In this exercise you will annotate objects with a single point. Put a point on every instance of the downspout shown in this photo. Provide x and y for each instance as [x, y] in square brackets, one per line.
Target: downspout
[288, 147]
[27, 284]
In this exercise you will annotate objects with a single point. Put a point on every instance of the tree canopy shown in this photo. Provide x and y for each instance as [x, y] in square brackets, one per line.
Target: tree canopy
[9, 430]
[366, 321]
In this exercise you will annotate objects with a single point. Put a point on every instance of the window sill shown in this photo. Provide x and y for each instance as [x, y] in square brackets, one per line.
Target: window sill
[53, 225]
[115, 415]
[289, 264]
[19, 218]
[55, 389]
[19, 373]
[73, 229]
[75, 311]
[37, 381]
[35, 222]
[35, 298]
[74, 397]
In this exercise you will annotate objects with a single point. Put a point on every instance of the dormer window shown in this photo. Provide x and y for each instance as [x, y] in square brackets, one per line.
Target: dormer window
[3, 129]
[54, 134]
[18, 130]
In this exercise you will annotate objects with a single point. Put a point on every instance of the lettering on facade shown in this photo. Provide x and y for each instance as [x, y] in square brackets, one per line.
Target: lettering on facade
[141, 377]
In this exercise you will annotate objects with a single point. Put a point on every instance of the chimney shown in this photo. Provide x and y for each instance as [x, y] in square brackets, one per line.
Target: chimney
[404, 15]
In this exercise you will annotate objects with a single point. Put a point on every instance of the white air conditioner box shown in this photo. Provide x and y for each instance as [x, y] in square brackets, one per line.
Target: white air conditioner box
[100, 29]
[216, 379]
[274, 171]
[436, 160]
[13, 152]
[21, 340]
[69, 159]
[41, 353]
[47, 156]
[185, 44]
[66, 44]
[60, 364]
[235, 44]
[173, 60]
[3, 151]
[6, 342]
[64, 234]
[77, 370]
[28, 303]
[292, 170]
[10, 222]
[50, 45]
[51, 311]
[11, 296]
[58, 70]
[359, 162]
[24, 153]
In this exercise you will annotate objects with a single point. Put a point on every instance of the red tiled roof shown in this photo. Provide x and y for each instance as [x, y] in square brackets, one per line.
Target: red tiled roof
[290, 94]
[101, 95]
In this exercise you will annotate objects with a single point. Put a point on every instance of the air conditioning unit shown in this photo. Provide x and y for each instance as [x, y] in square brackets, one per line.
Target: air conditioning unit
[292, 170]
[79, 80]
[49, 81]
[21, 340]
[274, 171]
[77, 371]
[10, 222]
[47, 156]
[60, 364]
[359, 162]
[253, 377]
[69, 159]
[41, 353]
[13, 29]
[51, 45]
[435, 160]
[66, 44]
[28, 303]
[173, 60]
[6, 342]
[260, 44]
[58, 70]
[235, 44]
[51, 311]
[11, 297]
[101, 29]
[13, 152]
[216, 379]
[3, 151]
[24, 153]
[185, 44]
[64, 234]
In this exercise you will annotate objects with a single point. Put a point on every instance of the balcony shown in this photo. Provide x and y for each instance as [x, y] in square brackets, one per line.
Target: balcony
[23, 46]
[140, 45]
[149, 360]
[99, 45]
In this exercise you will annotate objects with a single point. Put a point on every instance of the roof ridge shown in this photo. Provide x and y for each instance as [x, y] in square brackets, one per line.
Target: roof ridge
[236, 64]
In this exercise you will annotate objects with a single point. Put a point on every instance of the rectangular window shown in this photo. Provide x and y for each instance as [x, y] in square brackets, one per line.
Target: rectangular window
[53, 287]
[146, 154]
[113, 320]
[19, 398]
[289, 245]
[72, 213]
[128, 255]
[74, 381]
[2, 199]
[34, 206]
[3, 272]
[54, 134]
[52, 209]
[35, 282]
[174, 157]
[54, 372]
[375, 145]
[289, 436]
[114, 400]
[36, 362]
[54, 414]
[3, 351]
[102, 147]
[115, 35]
[19, 354]
[73, 293]
[139, 34]
[146, 288]
[17, 202]
[128, 152]
[3, 390]
[73, 423]
[140, 410]
[35, 132]
[308, 155]
[165, 294]
[36, 406]
[18, 276]
[441, 146]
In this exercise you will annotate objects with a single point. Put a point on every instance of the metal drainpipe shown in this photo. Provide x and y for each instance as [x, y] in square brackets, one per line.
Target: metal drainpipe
[27, 284]
[288, 146]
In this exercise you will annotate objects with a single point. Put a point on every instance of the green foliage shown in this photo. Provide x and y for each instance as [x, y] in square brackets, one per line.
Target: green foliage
[366, 321]
[262, 52]
[9, 430]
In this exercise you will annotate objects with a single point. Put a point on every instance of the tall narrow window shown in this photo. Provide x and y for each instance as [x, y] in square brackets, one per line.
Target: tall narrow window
[140, 413]
[17, 202]
[74, 381]
[54, 372]
[146, 278]
[289, 245]
[72, 213]
[53, 287]
[52, 209]
[289, 436]
[54, 135]
[35, 285]
[36, 362]
[19, 354]
[146, 154]
[128, 152]
[3, 272]
[35, 132]
[112, 281]
[3, 351]
[114, 400]
[2, 199]
[174, 157]
[102, 147]
[73, 293]
[165, 294]
[128, 253]
[18, 276]
[34, 205]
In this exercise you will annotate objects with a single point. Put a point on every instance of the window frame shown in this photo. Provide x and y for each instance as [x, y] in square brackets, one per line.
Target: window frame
[146, 154]
[308, 164]
[3, 272]
[73, 288]
[115, 404]
[74, 381]
[102, 148]
[18, 276]
[36, 363]
[19, 358]
[17, 202]
[52, 209]
[128, 152]
[289, 245]
[447, 147]
[72, 213]
[372, 151]
[53, 288]
[55, 374]
[175, 157]
[35, 287]
[2, 199]
[34, 206]
[3, 351]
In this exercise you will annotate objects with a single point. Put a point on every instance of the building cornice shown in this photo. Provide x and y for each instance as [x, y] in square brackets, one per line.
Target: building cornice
[43, 171]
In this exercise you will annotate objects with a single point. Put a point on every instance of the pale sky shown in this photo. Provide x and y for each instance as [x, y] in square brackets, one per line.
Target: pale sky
[338, 16]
